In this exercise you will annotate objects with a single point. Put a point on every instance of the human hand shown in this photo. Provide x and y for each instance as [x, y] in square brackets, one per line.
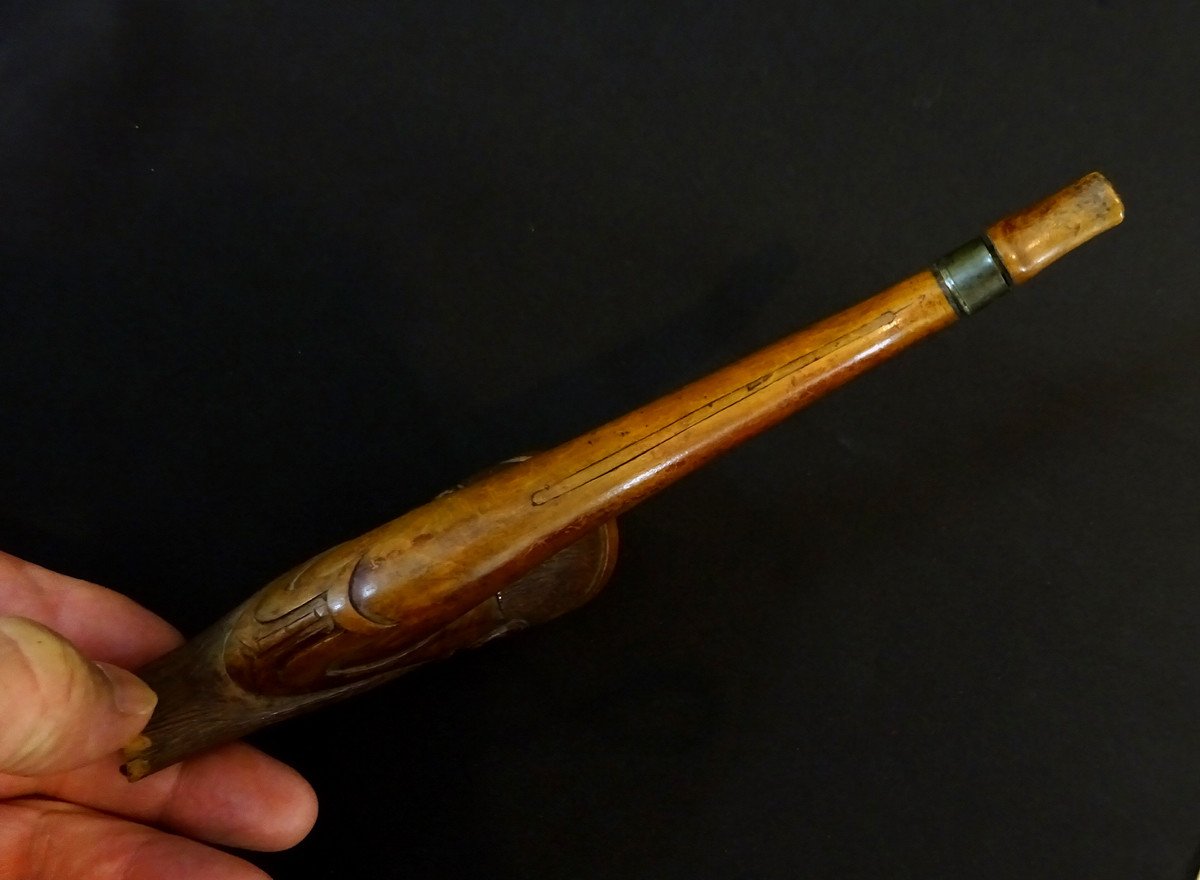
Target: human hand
[65, 810]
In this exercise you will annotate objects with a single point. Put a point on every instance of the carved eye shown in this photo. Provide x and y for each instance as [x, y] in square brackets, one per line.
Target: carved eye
[363, 585]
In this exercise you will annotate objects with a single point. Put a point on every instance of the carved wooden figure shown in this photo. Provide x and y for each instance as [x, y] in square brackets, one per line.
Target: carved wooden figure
[536, 537]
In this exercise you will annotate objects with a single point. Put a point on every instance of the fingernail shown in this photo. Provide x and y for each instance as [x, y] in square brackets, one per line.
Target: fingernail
[131, 695]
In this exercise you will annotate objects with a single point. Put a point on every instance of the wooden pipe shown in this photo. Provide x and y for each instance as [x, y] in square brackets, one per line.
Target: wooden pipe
[536, 537]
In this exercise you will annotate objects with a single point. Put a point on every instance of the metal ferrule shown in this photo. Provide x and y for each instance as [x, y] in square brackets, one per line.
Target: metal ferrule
[971, 276]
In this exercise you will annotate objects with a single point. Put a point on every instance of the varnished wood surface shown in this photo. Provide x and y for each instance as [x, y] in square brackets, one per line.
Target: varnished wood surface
[383, 592]
[380, 250]
[368, 609]
[425, 584]
[1030, 240]
[200, 705]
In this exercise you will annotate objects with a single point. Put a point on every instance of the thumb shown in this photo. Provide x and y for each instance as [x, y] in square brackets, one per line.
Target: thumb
[59, 710]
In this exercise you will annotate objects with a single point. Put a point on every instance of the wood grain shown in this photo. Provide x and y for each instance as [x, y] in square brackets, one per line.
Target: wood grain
[1030, 240]
[522, 544]
[386, 591]
[535, 538]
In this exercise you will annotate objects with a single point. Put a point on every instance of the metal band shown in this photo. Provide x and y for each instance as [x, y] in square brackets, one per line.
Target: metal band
[971, 276]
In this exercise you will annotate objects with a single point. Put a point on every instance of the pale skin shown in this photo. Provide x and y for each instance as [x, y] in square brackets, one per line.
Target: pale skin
[67, 706]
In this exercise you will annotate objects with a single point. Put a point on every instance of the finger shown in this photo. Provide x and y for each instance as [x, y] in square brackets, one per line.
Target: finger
[49, 840]
[60, 710]
[102, 623]
[233, 796]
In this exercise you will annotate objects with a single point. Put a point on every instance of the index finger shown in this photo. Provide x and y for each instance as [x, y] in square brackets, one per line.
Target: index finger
[103, 624]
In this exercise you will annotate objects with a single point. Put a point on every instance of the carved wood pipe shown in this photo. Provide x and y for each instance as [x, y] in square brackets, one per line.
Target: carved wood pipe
[536, 537]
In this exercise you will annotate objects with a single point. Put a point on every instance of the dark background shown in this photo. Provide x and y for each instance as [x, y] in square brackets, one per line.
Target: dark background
[274, 273]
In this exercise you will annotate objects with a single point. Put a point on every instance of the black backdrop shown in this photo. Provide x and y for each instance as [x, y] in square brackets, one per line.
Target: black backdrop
[273, 273]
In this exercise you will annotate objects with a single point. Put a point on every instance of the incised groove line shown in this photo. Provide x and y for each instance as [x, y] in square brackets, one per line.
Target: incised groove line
[647, 443]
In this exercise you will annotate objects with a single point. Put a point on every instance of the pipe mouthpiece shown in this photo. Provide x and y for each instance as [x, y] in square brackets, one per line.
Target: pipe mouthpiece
[1030, 240]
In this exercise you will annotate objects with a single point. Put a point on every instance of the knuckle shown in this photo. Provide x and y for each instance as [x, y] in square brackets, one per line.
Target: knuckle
[44, 686]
